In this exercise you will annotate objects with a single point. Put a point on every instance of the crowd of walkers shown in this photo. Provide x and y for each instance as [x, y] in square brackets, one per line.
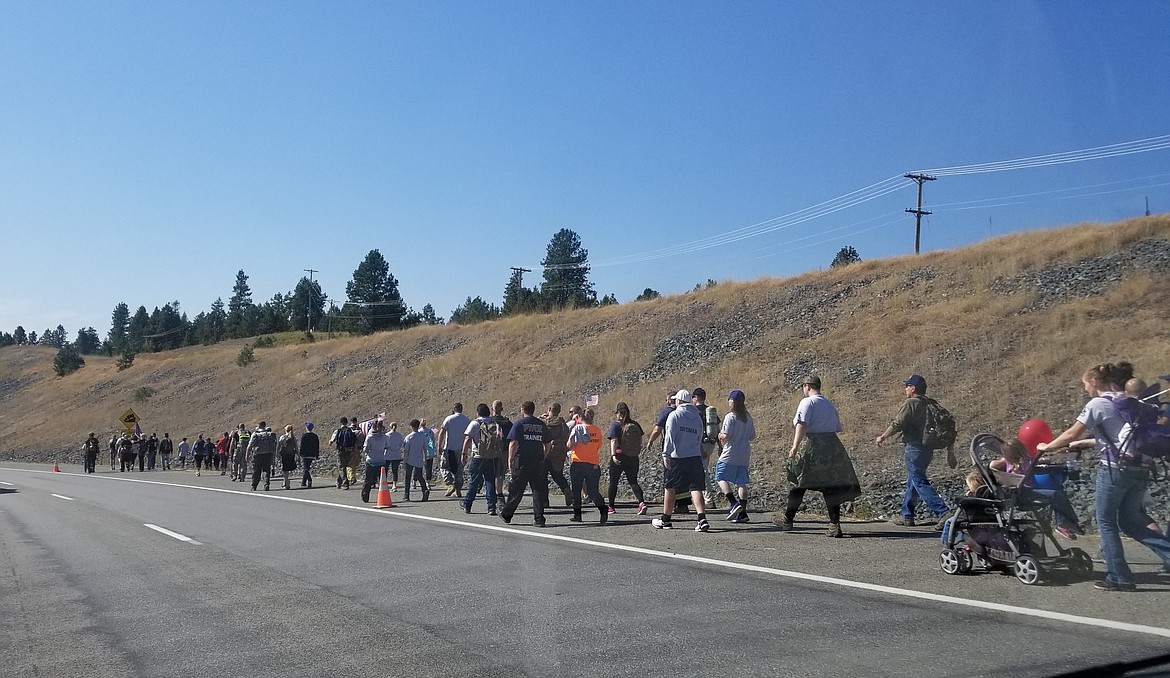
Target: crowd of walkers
[508, 460]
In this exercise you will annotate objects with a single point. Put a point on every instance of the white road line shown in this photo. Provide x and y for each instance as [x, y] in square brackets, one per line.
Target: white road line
[61, 496]
[788, 574]
[8, 484]
[173, 535]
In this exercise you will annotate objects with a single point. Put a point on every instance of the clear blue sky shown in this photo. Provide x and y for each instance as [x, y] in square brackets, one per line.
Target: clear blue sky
[149, 150]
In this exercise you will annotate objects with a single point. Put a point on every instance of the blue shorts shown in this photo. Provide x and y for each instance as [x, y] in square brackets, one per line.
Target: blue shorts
[731, 473]
[685, 475]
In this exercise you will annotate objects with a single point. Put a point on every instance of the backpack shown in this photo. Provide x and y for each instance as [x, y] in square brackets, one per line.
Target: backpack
[491, 439]
[938, 431]
[92, 446]
[631, 442]
[346, 438]
[1146, 437]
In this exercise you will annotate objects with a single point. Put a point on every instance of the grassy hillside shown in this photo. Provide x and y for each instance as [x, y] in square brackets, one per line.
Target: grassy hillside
[1001, 330]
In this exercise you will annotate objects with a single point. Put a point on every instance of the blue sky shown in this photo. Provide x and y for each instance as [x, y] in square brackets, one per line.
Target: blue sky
[150, 150]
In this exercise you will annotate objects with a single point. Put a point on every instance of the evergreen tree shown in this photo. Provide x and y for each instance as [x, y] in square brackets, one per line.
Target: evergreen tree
[19, 336]
[32, 338]
[373, 296]
[119, 322]
[68, 360]
[608, 300]
[566, 273]
[6, 339]
[647, 294]
[429, 317]
[49, 338]
[241, 314]
[307, 300]
[845, 256]
[167, 327]
[274, 315]
[87, 341]
[137, 329]
[215, 328]
[474, 311]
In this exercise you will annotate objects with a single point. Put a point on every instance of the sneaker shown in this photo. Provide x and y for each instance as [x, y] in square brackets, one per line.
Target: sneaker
[903, 522]
[1106, 585]
[506, 519]
[450, 491]
[781, 522]
[465, 507]
[834, 531]
[736, 510]
[703, 525]
[743, 519]
[197, 474]
[458, 494]
[1066, 533]
[611, 510]
[427, 497]
[660, 524]
[491, 512]
[642, 509]
[942, 522]
[575, 518]
[538, 523]
[604, 518]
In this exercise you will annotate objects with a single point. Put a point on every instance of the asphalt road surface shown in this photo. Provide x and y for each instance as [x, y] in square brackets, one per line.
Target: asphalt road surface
[106, 575]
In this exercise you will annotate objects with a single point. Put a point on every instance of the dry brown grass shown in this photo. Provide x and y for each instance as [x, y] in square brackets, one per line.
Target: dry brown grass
[992, 364]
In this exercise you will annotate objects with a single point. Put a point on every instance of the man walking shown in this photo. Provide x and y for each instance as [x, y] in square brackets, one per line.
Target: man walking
[377, 449]
[165, 448]
[344, 440]
[483, 444]
[184, 450]
[585, 465]
[451, 433]
[151, 451]
[559, 451]
[683, 459]
[910, 422]
[310, 451]
[529, 443]
[414, 454]
[262, 449]
[92, 448]
[501, 460]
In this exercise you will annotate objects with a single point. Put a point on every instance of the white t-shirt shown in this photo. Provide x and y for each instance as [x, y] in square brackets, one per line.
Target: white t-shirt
[455, 425]
[818, 414]
[737, 449]
[472, 431]
[1103, 420]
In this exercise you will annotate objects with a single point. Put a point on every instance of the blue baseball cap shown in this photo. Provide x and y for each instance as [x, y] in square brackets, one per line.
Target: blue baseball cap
[917, 382]
[735, 395]
[309, 425]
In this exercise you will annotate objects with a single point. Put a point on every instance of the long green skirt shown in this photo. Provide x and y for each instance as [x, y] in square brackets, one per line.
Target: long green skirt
[823, 465]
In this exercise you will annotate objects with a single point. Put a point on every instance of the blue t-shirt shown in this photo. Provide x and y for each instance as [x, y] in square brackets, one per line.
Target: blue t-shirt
[615, 432]
[531, 434]
[661, 421]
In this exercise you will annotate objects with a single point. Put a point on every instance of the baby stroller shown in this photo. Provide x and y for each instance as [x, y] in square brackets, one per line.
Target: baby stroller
[1006, 527]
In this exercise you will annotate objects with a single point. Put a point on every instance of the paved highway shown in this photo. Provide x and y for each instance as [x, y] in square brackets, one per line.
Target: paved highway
[180, 576]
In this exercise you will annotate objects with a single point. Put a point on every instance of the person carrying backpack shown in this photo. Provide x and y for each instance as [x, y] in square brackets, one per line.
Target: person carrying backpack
[483, 444]
[92, 448]
[919, 422]
[345, 441]
[165, 448]
[625, 442]
[559, 430]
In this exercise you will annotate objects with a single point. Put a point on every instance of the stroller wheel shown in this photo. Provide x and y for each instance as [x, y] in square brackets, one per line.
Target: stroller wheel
[1079, 562]
[950, 561]
[1027, 569]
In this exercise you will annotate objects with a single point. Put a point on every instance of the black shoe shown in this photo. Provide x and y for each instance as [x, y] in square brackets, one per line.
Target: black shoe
[1106, 585]
[575, 518]
[465, 507]
[427, 496]
[267, 487]
[506, 519]
[339, 483]
[491, 512]
[604, 517]
[538, 523]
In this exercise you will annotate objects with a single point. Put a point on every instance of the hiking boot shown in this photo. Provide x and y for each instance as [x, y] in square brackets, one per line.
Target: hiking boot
[735, 512]
[660, 524]
[834, 531]
[903, 521]
[781, 522]
[1106, 585]
[538, 523]
[942, 522]
[575, 518]
[642, 509]
[702, 525]
[450, 492]
[506, 519]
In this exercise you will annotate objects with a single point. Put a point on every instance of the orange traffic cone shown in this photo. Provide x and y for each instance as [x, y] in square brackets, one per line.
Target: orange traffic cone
[56, 468]
[384, 500]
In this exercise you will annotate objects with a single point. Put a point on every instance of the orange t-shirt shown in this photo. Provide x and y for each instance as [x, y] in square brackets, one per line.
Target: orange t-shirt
[585, 451]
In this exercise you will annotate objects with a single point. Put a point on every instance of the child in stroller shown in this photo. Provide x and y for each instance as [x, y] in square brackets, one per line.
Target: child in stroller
[1045, 486]
[1007, 525]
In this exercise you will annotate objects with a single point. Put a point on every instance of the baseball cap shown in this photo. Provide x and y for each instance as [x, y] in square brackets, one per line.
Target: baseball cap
[309, 425]
[812, 380]
[736, 395]
[699, 393]
[683, 396]
[917, 382]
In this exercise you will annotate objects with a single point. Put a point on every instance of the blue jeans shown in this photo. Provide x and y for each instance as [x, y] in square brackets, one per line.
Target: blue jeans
[1119, 509]
[918, 485]
[481, 473]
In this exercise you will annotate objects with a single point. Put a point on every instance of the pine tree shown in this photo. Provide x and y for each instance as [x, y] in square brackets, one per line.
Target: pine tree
[119, 323]
[373, 296]
[307, 300]
[474, 311]
[566, 273]
[845, 256]
[215, 324]
[20, 336]
[241, 314]
[517, 298]
[137, 329]
[68, 360]
[87, 341]
[647, 294]
[429, 317]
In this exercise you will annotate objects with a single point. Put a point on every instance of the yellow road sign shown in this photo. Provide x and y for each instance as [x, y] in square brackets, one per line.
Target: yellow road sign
[129, 419]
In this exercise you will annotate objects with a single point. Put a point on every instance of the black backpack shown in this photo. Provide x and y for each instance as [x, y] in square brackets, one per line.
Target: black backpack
[491, 439]
[346, 438]
[938, 432]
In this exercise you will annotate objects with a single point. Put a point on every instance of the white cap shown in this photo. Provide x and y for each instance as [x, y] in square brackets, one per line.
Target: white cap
[683, 396]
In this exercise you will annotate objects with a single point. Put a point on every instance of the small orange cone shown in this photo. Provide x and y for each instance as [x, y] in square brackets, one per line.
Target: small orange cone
[56, 468]
[384, 500]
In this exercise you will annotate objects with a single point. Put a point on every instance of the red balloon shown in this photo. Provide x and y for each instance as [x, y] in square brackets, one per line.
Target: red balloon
[1032, 433]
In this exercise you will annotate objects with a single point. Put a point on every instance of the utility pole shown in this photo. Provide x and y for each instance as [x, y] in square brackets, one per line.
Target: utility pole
[1147, 205]
[309, 313]
[919, 179]
[521, 271]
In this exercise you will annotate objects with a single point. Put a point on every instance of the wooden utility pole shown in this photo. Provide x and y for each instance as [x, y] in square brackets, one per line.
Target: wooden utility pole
[520, 273]
[919, 179]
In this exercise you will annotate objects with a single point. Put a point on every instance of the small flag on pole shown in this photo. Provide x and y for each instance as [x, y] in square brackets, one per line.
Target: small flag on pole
[592, 401]
[137, 430]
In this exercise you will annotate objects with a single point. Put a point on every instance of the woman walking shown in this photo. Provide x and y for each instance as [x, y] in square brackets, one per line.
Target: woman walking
[625, 442]
[818, 461]
[1121, 479]
[735, 436]
[287, 448]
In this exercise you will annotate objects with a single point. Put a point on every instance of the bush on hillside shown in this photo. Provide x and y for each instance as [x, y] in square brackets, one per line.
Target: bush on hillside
[68, 360]
[246, 356]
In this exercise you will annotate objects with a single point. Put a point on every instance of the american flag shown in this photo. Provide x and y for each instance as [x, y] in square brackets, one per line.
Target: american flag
[137, 430]
[592, 401]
